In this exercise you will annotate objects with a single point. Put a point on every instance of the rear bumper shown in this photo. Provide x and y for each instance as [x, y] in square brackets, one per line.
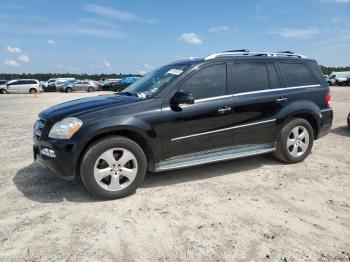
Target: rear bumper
[326, 116]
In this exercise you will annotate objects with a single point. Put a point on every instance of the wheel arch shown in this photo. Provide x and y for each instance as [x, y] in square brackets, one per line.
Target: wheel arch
[309, 116]
[128, 133]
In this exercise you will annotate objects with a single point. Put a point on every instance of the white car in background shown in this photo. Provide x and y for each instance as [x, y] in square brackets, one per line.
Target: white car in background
[338, 78]
[3, 86]
[23, 86]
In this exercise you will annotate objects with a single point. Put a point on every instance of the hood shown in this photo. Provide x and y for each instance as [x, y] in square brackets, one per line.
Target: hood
[85, 105]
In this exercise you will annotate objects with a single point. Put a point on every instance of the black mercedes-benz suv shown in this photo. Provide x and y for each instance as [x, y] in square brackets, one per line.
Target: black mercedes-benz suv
[190, 112]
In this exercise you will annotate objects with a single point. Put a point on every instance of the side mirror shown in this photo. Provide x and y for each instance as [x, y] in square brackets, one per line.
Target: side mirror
[182, 98]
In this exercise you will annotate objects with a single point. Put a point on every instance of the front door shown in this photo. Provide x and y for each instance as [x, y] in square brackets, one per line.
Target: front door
[203, 126]
[258, 100]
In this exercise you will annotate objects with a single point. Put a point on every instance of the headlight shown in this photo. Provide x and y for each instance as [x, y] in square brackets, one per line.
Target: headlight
[65, 128]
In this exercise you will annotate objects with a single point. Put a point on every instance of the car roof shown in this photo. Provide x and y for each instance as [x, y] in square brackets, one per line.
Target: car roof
[243, 55]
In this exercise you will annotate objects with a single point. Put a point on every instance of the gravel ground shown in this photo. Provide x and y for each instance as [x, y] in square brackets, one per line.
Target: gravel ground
[254, 209]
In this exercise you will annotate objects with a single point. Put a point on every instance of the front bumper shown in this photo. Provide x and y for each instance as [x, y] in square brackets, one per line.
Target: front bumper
[63, 163]
[326, 116]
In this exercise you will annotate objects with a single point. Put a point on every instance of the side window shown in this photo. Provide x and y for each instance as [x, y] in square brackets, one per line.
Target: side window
[207, 82]
[273, 76]
[13, 83]
[248, 77]
[296, 74]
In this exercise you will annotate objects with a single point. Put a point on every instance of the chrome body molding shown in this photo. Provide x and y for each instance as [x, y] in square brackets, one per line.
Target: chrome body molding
[215, 155]
[224, 129]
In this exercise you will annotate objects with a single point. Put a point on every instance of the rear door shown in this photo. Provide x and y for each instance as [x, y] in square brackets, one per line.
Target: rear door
[258, 100]
[13, 87]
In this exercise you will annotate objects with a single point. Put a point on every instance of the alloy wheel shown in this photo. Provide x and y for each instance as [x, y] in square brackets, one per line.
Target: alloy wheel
[298, 141]
[115, 169]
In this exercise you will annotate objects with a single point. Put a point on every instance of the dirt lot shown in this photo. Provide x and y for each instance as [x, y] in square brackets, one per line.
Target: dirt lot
[255, 209]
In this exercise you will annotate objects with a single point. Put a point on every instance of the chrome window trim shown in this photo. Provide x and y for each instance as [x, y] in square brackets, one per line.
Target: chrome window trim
[211, 98]
[223, 129]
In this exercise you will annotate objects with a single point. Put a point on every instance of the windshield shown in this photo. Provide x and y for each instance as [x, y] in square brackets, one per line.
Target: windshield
[155, 81]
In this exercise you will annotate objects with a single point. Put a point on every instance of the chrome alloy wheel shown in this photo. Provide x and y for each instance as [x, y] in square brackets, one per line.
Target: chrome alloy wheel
[298, 141]
[115, 169]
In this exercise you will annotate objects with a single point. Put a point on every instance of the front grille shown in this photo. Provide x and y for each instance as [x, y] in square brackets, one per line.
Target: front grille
[38, 128]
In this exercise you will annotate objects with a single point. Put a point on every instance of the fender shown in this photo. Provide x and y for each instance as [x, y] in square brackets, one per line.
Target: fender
[302, 107]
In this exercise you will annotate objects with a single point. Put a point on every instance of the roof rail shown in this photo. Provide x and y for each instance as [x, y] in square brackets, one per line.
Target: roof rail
[248, 53]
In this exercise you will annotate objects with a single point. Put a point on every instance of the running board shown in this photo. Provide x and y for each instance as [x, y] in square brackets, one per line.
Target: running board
[211, 156]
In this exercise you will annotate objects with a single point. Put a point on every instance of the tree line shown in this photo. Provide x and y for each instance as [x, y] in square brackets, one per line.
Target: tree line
[46, 76]
[328, 70]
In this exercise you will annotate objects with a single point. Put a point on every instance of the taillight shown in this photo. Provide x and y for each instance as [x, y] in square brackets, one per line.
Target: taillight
[328, 99]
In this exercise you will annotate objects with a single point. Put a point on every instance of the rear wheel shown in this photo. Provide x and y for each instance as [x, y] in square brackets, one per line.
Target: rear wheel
[295, 141]
[113, 167]
[33, 91]
[90, 89]
[69, 90]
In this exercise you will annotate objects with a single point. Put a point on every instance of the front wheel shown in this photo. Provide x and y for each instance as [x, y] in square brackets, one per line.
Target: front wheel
[113, 167]
[69, 90]
[295, 141]
[90, 89]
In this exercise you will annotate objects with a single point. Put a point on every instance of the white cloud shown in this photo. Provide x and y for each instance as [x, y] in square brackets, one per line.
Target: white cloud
[13, 49]
[112, 13]
[23, 58]
[149, 67]
[51, 42]
[191, 38]
[295, 33]
[10, 62]
[218, 29]
[106, 33]
[107, 64]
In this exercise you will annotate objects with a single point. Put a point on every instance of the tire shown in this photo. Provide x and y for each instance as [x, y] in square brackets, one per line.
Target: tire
[68, 90]
[32, 91]
[91, 89]
[299, 148]
[111, 155]
[3, 91]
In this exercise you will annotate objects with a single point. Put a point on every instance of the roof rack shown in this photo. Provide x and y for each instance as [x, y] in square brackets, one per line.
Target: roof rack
[244, 52]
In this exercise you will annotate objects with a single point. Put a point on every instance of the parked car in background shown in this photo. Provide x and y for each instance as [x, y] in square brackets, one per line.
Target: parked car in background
[66, 84]
[109, 85]
[80, 85]
[338, 78]
[125, 82]
[3, 86]
[51, 84]
[23, 86]
[190, 112]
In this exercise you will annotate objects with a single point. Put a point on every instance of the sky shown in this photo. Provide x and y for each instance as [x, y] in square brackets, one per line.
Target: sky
[120, 36]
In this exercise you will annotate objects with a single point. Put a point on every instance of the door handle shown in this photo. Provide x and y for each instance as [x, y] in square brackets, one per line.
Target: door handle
[281, 100]
[224, 110]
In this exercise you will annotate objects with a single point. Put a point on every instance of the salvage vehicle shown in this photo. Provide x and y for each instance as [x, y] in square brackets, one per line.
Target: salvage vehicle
[190, 112]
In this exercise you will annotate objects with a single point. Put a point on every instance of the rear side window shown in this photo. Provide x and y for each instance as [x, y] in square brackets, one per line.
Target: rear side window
[32, 82]
[248, 77]
[274, 80]
[207, 82]
[295, 74]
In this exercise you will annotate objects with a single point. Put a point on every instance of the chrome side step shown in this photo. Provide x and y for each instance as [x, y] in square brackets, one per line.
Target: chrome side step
[211, 156]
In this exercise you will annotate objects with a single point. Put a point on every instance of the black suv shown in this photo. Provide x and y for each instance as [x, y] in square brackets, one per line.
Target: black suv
[191, 112]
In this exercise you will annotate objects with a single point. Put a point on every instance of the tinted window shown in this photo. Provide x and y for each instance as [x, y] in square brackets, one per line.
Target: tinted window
[207, 82]
[249, 77]
[14, 83]
[2, 82]
[32, 82]
[297, 75]
[274, 80]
